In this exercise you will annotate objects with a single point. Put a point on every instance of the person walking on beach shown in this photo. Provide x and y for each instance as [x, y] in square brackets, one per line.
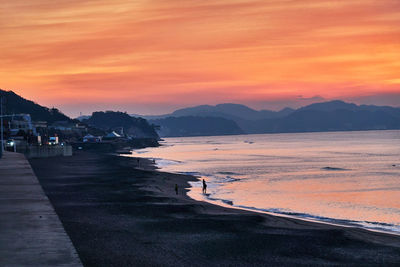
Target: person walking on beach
[204, 187]
[176, 188]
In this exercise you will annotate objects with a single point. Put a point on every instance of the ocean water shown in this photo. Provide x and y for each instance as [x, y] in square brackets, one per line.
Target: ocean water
[350, 178]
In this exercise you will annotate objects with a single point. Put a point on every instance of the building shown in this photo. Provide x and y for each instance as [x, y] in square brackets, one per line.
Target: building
[21, 122]
[91, 139]
[112, 135]
[62, 126]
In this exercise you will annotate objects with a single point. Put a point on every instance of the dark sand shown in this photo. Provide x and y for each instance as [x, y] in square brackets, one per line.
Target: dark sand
[119, 216]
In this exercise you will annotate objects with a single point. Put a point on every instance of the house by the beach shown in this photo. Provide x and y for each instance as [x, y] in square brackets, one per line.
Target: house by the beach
[112, 135]
[91, 139]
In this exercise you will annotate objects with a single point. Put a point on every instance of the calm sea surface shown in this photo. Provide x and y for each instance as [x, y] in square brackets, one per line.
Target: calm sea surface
[338, 177]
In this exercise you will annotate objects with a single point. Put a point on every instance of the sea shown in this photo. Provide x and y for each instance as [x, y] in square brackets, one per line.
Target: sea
[345, 178]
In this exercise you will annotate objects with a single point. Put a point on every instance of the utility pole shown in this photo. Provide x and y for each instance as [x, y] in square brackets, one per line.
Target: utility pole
[1, 121]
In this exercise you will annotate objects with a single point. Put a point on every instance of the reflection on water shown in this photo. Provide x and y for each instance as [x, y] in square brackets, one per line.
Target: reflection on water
[350, 176]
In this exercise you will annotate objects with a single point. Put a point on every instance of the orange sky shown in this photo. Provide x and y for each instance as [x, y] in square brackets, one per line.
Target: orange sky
[151, 56]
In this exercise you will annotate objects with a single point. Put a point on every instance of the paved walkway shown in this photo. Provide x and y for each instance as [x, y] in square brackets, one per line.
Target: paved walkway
[31, 233]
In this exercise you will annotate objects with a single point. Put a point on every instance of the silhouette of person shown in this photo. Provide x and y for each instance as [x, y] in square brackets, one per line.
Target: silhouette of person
[176, 188]
[204, 187]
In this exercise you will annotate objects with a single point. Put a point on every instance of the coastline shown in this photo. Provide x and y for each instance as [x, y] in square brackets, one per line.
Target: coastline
[327, 221]
[151, 166]
[299, 175]
[118, 215]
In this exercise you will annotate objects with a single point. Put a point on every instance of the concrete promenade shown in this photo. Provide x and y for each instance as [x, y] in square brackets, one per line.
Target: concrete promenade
[31, 234]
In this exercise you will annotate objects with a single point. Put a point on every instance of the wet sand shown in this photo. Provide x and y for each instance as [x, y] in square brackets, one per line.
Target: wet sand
[117, 215]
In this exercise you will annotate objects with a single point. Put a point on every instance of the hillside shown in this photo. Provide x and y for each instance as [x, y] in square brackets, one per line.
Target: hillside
[15, 104]
[230, 111]
[325, 116]
[196, 126]
[238, 119]
[109, 120]
[330, 116]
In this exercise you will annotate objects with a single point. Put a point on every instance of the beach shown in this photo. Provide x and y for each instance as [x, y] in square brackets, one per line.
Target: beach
[337, 177]
[117, 214]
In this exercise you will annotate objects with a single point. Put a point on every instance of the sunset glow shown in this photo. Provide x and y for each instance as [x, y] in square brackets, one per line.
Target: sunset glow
[79, 55]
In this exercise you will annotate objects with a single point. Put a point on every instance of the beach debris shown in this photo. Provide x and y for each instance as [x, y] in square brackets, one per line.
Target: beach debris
[334, 169]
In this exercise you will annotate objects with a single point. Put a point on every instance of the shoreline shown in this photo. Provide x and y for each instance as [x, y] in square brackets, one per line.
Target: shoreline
[152, 166]
[346, 224]
[118, 215]
[304, 132]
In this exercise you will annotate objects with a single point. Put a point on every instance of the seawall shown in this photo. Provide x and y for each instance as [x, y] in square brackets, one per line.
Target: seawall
[31, 233]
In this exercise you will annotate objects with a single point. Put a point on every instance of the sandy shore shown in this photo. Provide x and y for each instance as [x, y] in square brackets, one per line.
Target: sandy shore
[117, 215]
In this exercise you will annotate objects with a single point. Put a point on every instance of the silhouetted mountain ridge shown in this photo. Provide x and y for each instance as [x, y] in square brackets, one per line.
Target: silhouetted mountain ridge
[111, 120]
[196, 126]
[334, 115]
[15, 104]
[229, 111]
[330, 106]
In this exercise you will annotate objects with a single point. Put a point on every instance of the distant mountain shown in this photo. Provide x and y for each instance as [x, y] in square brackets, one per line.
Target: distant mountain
[15, 104]
[196, 126]
[331, 116]
[341, 105]
[235, 112]
[237, 119]
[111, 120]
[325, 116]
[230, 111]
[330, 106]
